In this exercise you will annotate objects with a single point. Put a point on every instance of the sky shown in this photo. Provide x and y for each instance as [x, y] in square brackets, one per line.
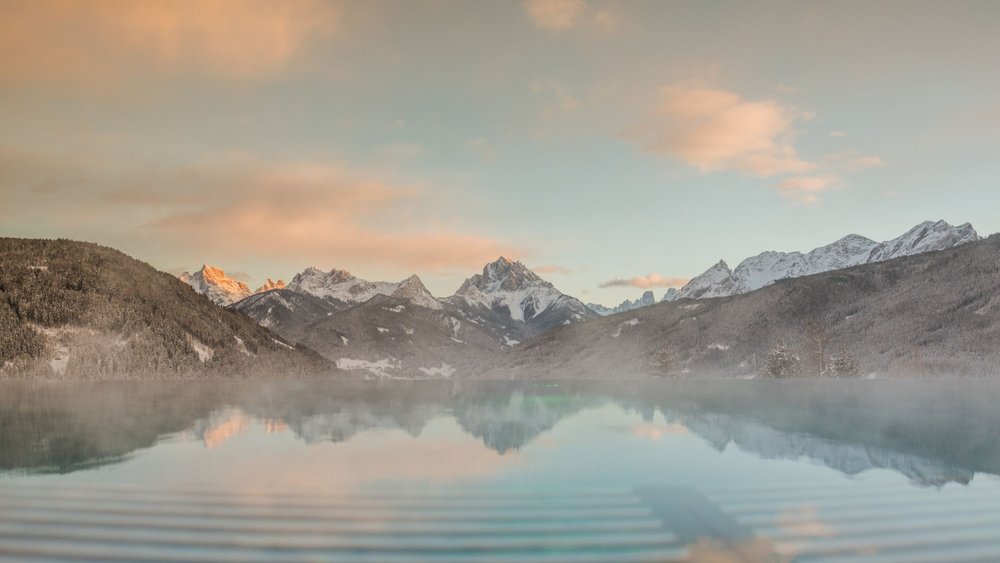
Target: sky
[612, 146]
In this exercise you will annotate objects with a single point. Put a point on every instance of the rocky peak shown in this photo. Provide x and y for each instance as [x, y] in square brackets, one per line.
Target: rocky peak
[503, 274]
[214, 283]
[269, 285]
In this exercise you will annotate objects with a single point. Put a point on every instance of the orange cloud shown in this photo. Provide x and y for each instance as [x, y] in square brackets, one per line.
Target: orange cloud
[560, 15]
[551, 269]
[713, 129]
[314, 211]
[646, 282]
[804, 189]
[104, 40]
[241, 208]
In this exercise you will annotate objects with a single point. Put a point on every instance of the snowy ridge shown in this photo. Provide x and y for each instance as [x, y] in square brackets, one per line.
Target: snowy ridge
[270, 284]
[511, 290]
[216, 285]
[647, 299]
[340, 285]
[768, 267]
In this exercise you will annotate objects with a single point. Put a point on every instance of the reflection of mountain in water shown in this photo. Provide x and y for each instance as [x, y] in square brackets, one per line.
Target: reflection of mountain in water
[512, 420]
[932, 431]
[942, 432]
[721, 430]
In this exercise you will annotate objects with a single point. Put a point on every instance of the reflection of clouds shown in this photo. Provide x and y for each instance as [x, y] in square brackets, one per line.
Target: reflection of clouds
[274, 425]
[222, 425]
[377, 456]
[803, 521]
[757, 550]
[654, 431]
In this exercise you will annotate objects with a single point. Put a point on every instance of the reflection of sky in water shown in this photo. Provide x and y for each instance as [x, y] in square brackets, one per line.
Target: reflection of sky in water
[601, 447]
[776, 485]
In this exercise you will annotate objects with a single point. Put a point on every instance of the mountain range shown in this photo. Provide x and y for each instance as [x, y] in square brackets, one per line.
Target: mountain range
[932, 313]
[852, 250]
[83, 311]
[646, 300]
[398, 329]
[921, 303]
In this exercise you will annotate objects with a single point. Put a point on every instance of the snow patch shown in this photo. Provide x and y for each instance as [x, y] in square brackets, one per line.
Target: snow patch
[59, 362]
[241, 346]
[380, 368]
[618, 330]
[444, 371]
[204, 352]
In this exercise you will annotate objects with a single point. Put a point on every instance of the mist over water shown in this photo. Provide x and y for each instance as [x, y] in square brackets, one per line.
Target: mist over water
[793, 462]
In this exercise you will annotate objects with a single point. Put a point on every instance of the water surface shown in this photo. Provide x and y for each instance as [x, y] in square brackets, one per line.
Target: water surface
[689, 470]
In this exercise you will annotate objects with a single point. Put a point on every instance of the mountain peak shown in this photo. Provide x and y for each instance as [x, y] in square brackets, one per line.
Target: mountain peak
[505, 274]
[214, 283]
[852, 250]
[269, 285]
[508, 289]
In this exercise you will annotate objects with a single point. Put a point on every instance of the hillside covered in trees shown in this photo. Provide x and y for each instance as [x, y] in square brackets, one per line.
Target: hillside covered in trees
[79, 310]
[931, 314]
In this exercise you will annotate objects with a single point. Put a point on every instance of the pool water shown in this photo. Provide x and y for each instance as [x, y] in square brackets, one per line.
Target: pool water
[533, 471]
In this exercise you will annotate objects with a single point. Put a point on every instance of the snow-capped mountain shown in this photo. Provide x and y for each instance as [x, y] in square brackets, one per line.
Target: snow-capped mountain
[766, 268]
[647, 299]
[515, 302]
[714, 282]
[216, 285]
[341, 286]
[925, 237]
[270, 284]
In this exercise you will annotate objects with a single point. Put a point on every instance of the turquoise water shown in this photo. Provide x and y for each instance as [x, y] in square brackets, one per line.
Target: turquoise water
[741, 471]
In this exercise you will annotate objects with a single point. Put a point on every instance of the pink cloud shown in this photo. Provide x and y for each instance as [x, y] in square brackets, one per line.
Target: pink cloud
[101, 41]
[239, 208]
[551, 269]
[560, 15]
[713, 129]
[805, 189]
[646, 282]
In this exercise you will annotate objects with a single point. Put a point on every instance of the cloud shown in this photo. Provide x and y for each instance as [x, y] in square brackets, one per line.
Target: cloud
[835, 134]
[551, 269]
[868, 161]
[713, 129]
[560, 15]
[239, 208]
[101, 41]
[853, 161]
[646, 282]
[562, 100]
[805, 189]
[482, 147]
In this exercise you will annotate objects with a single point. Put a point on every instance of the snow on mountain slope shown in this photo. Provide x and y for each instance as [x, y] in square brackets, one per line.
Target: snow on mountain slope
[714, 282]
[340, 285]
[766, 268]
[282, 309]
[515, 302]
[269, 285]
[925, 237]
[647, 299]
[216, 285]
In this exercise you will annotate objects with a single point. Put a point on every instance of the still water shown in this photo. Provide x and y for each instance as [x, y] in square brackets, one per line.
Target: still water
[542, 471]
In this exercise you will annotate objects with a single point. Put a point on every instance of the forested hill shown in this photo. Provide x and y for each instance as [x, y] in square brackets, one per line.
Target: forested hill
[936, 313]
[80, 310]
